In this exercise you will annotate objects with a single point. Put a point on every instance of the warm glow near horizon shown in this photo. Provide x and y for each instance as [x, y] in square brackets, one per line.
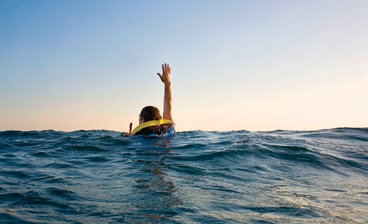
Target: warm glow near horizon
[248, 65]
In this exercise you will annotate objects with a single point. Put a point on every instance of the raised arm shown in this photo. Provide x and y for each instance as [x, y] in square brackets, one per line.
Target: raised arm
[165, 78]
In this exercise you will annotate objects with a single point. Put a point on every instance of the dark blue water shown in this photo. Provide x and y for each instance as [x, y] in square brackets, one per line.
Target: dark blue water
[194, 177]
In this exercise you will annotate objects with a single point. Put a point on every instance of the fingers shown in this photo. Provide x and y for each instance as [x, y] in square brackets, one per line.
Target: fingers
[166, 68]
[159, 75]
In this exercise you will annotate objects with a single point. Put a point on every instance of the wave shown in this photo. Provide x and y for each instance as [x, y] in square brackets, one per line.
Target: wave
[197, 176]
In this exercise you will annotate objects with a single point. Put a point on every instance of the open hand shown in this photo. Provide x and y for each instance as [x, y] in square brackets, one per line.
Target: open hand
[166, 71]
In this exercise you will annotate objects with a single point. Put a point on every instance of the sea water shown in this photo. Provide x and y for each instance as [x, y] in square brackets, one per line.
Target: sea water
[195, 177]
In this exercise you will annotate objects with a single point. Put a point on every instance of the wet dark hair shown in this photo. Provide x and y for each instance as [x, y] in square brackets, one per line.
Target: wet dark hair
[150, 113]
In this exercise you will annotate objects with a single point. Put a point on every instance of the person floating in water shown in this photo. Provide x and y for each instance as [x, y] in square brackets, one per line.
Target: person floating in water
[151, 123]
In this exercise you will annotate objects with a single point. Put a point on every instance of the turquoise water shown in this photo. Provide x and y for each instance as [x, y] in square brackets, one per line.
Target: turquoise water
[195, 177]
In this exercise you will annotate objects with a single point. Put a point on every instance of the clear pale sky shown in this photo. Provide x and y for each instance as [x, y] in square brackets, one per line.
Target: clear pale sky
[236, 64]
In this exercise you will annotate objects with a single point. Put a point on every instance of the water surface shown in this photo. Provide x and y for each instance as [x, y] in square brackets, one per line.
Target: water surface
[195, 177]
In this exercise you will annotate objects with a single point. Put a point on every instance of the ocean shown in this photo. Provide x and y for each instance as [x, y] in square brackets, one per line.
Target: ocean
[95, 176]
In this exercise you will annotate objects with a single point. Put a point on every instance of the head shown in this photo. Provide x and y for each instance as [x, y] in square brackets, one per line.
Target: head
[149, 113]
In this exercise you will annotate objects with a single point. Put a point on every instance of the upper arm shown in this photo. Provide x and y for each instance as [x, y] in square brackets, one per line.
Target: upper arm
[167, 114]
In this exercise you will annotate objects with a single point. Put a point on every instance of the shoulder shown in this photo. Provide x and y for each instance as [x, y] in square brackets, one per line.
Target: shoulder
[170, 131]
[155, 127]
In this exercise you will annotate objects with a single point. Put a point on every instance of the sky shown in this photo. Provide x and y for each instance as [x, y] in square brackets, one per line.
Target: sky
[236, 64]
